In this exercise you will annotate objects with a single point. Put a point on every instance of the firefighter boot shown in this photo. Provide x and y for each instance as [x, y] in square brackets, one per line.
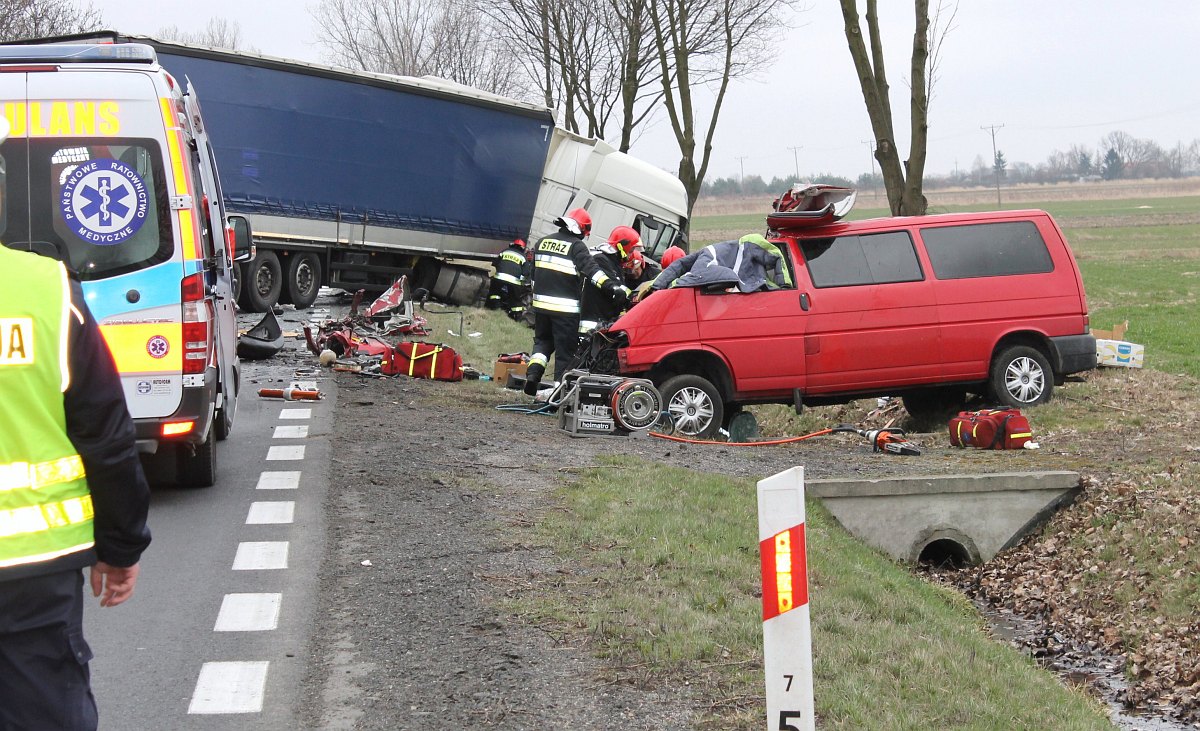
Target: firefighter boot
[533, 377]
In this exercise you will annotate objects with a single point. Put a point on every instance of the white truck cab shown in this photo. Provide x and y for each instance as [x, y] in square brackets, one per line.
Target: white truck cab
[109, 169]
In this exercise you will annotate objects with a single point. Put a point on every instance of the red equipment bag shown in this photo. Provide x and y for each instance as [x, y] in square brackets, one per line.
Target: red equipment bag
[423, 360]
[990, 429]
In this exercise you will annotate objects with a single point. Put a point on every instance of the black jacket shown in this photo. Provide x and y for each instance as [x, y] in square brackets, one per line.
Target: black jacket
[601, 305]
[561, 264]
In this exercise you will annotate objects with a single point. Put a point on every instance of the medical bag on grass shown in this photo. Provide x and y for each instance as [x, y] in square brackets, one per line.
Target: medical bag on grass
[423, 360]
[990, 429]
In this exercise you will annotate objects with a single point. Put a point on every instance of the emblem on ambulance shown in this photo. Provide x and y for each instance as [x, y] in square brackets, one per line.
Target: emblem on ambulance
[157, 346]
[104, 201]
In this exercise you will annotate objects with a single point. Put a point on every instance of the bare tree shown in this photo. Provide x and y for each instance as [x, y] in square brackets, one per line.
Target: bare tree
[218, 33]
[446, 38]
[705, 44]
[903, 182]
[37, 18]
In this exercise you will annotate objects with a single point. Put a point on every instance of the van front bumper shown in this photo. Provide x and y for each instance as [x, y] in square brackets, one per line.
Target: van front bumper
[1073, 354]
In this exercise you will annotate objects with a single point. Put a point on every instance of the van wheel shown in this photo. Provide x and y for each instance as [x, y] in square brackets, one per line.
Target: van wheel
[931, 408]
[303, 279]
[197, 469]
[1021, 376]
[695, 406]
[263, 282]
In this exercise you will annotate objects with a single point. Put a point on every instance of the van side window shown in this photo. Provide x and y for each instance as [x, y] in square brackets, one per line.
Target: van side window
[206, 225]
[869, 259]
[986, 250]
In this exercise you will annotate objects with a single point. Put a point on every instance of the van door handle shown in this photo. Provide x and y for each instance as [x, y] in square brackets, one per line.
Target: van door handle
[804, 303]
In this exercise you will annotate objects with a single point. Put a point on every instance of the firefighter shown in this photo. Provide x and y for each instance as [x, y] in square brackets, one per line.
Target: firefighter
[72, 492]
[508, 281]
[561, 263]
[616, 258]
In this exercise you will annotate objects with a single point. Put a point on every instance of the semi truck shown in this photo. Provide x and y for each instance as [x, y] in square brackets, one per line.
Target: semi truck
[352, 179]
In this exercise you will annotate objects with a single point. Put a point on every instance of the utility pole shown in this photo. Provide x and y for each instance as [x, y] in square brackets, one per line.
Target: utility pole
[796, 159]
[742, 176]
[871, 146]
[992, 128]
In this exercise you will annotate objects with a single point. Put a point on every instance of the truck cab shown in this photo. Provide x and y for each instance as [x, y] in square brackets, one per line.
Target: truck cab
[109, 169]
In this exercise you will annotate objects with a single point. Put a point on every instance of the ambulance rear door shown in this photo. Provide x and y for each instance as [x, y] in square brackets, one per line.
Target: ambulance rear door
[101, 171]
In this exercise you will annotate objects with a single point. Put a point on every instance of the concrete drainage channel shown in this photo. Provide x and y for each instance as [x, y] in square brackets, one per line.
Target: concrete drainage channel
[960, 519]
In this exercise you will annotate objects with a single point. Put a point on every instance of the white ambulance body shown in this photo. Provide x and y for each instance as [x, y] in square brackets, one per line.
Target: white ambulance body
[108, 168]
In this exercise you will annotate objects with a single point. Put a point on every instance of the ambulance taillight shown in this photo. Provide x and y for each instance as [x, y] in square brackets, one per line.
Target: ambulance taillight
[196, 344]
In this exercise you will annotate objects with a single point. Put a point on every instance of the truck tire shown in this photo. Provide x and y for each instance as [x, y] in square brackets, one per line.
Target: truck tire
[198, 469]
[263, 282]
[460, 285]
[1021, 376]
[694, 405]
[303, 279]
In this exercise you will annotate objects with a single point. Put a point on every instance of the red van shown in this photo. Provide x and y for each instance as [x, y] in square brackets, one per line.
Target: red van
[929, 308]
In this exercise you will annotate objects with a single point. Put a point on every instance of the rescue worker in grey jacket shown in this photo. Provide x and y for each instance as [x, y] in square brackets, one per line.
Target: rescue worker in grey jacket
[751, 263]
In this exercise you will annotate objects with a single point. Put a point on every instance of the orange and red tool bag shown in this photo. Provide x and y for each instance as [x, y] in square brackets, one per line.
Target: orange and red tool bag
[423, 360]
[990, 429]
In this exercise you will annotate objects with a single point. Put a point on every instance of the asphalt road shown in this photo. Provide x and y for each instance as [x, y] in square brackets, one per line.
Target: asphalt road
[215, 636]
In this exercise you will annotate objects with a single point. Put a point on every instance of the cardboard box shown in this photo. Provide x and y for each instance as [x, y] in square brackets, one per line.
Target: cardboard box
[501, 371]
[1119, 353]
[1117, 332]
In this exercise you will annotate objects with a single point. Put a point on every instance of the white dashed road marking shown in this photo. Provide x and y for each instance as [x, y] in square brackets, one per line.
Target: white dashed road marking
[230, 687]
[252, 556]
[278, 481]
[248, 613]
[290, 432]
[295, 414]
[271, 513]
[285, 453]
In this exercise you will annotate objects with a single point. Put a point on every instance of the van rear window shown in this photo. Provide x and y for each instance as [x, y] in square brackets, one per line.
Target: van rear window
[101, 208]
[854, 260]
[986, 250]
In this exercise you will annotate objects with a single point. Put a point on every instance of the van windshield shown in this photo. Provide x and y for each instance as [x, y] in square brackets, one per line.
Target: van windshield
[102, 209]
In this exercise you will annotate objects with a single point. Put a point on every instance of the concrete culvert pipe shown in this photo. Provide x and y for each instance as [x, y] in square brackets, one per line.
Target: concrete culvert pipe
[944, 553]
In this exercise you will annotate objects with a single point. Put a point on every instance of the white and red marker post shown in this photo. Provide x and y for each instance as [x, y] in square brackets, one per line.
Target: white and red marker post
[787, 639]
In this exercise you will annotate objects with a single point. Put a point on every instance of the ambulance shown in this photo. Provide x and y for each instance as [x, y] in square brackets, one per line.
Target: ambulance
[108, 168]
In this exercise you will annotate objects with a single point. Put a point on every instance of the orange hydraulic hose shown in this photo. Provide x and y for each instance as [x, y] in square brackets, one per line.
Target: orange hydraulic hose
[765, 443]
[290, 394]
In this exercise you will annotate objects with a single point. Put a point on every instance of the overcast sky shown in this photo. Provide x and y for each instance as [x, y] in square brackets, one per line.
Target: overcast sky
[1052, 72]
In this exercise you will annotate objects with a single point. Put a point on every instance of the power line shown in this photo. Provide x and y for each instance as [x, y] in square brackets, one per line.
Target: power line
[742, 166]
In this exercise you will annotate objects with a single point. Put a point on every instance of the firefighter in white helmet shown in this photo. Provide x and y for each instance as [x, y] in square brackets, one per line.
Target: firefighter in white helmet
[561, 265]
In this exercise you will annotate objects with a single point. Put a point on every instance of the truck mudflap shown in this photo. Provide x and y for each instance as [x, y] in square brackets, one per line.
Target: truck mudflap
[197, 406]
[1073, 354]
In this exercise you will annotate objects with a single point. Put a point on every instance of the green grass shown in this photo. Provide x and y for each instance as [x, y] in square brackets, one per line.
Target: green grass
[665, 581]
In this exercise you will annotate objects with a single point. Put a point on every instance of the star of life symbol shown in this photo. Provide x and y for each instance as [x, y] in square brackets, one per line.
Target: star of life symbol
[157, 346]
[105, 201]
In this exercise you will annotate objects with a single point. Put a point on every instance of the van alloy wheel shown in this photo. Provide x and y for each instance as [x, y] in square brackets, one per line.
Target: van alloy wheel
[1021, 376]
[694, 404]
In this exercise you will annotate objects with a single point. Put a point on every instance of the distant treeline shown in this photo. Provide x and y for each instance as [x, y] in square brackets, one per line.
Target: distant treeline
[1117, 156]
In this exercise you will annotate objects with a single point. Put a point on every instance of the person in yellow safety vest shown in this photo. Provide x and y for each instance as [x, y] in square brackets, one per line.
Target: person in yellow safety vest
[508, 285]
[561, 264]
[72, 492]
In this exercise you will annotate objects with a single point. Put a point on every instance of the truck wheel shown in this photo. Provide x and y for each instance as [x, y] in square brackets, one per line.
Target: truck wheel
[303, 279]
[1021, 376]
[263, 282]
[694, 404]
[198, 469]
[931, 408]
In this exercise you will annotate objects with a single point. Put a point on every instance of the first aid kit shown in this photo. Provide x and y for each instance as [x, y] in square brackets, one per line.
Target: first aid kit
[990, 429]
[423, 360]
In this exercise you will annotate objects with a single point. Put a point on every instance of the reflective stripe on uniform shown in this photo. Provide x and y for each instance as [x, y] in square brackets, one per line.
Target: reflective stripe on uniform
[506, 278]
[514, 257]
[599, 278]
[539, 359]
[37, 518]
[22, 475]
[555, 304]
[556, 264]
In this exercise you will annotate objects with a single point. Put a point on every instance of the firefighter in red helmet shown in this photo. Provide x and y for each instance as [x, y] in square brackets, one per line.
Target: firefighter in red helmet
[508, 285]
[600, 306]
[561, 266]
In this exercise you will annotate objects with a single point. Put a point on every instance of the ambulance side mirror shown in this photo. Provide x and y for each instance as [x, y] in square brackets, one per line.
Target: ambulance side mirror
[241, 240]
